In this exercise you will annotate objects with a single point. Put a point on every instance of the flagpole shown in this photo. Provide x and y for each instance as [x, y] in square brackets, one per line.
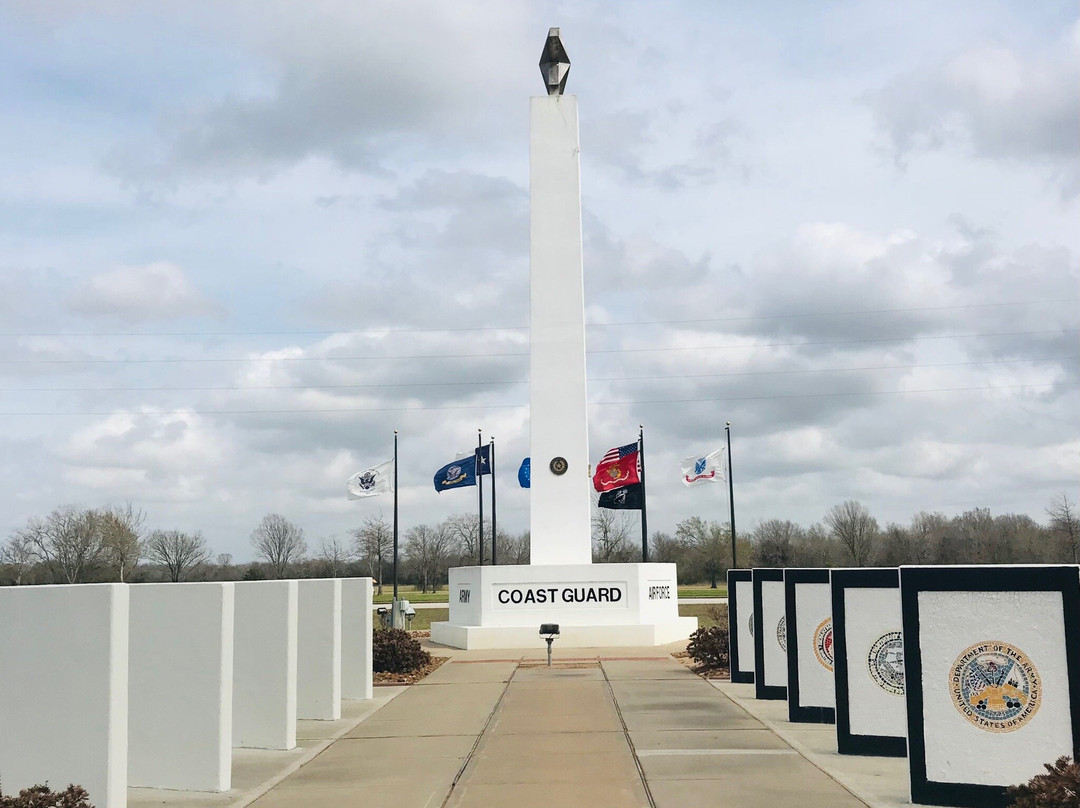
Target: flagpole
[731, 496]
[644, 519]
[480, 491]
[395, 517]
[494, 524]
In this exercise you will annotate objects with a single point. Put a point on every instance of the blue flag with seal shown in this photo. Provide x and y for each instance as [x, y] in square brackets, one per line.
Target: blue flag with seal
[523, 473]
[457, 474]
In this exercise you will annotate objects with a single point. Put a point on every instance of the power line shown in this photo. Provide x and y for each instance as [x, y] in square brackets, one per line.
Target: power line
[320, 410]
[676, 377]
[871, 340]
[457, 329]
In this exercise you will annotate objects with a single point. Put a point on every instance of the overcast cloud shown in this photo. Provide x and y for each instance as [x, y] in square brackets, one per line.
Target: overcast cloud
[241, 243]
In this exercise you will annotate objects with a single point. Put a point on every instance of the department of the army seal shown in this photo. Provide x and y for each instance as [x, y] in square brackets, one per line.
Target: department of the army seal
[781, 632]
[995, 686]
[558, 465]
[823, 643]
[885, 663]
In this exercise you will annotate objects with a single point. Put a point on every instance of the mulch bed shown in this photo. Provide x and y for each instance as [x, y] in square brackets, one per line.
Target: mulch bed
[706, 673]
[387, 678]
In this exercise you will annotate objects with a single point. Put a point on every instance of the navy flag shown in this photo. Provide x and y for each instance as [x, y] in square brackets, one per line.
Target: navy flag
[457, 474]
[627, 498]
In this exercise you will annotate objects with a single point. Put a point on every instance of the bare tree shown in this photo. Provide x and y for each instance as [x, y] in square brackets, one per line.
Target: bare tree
[611, 537]
[854, 527]
[464, 532]
[1065, 523]
[775, 542]
[429, 549]
[178, 552]
[279, 542]
[121, 526]
[514, 549]
[710, 543]
[18, 556]
[373, 544]
[334, 555]
[68, 541]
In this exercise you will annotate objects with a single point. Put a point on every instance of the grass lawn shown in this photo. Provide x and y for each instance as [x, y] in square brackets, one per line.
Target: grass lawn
[699, 591]
[701, 612]
[410, 593]
[424, 618]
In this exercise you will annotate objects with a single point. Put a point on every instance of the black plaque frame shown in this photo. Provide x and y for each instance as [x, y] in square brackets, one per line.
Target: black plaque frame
[913, 580]
[738, 674]
[846, 742]
[797, 712]
[762, 690]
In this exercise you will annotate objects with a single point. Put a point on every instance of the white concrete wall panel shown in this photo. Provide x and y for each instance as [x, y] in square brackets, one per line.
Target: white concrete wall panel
[318, 679]
[774, 634]
[744, 596]
[875, 695]
[813, 616]
[264, 664]
[958, 751]
[559, 512]
[63, 689]
[180, 686]
[356, 620]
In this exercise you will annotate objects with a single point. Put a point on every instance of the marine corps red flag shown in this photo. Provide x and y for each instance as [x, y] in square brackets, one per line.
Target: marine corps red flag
[618, 468]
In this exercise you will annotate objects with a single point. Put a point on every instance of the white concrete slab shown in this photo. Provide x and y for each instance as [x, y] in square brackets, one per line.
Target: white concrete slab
[264, 664]
[318, 671]
[64, 689]
[356, 625]
[180, 686]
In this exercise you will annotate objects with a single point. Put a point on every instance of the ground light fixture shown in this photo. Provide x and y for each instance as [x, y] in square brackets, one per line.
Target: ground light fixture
[549, 631]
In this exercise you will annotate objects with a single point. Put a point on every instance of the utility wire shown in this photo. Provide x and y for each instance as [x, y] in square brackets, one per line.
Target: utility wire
[524, 404]
[526, 381]
[871, 340]
[325, 332]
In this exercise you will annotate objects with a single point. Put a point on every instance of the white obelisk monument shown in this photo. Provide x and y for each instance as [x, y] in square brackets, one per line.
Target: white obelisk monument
[559, 515]
[594, 604]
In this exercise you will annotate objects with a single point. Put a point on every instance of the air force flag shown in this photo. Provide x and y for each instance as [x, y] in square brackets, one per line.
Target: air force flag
[524, 473]
[457, 474]
[371, 482]
[703, 468]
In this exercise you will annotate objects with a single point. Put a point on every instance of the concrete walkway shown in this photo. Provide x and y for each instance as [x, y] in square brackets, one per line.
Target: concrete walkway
[603, 728]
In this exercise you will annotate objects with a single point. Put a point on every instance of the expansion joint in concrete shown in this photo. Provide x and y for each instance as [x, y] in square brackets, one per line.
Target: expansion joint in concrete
[483, 733]
[626, 735]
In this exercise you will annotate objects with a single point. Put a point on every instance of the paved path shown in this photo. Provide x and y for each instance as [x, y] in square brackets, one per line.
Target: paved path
[633, 729]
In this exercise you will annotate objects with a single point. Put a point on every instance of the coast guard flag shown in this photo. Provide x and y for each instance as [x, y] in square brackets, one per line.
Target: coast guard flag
[371, 482]
[703, 468]
[524, 473]
[457, 474]
[617, 468]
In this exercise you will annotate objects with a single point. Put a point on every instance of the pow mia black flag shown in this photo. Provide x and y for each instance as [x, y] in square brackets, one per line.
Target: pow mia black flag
[627, 498]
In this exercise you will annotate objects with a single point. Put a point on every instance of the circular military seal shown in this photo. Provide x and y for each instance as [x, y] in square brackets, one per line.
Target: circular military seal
[823, 643]
[885, 662]
[750, 623]
[995, 686]
[781, 632]
[558, 465]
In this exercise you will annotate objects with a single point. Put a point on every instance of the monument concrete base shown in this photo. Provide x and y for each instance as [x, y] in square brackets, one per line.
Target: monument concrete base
[595, 605]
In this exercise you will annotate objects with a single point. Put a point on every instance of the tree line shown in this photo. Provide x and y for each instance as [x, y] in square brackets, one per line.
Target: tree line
[75, 544]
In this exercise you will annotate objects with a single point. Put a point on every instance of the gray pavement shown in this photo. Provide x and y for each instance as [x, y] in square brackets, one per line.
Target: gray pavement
[623, 727]
[611, 728]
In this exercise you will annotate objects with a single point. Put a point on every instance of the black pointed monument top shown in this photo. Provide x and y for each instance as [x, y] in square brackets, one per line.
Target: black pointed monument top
[554, 63]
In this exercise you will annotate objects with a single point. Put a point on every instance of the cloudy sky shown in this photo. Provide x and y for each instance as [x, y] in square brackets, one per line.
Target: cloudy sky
[241, 243]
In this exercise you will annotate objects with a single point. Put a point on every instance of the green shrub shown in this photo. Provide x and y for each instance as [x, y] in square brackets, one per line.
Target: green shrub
[394, 650]
[44, 797]
[1058, 788]
[709, 647]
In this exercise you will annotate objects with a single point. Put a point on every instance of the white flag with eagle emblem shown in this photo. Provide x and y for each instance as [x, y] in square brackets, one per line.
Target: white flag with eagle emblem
[371, 482]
